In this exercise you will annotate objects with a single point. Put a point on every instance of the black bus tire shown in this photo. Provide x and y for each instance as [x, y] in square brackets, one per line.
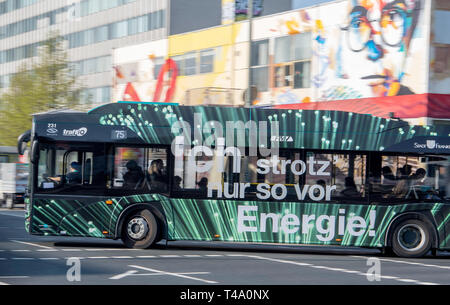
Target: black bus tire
[411, 238]
[139, 230]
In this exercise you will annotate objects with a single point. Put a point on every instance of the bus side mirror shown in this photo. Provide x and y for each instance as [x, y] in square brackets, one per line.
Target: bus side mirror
[34, 156]
[22, 141]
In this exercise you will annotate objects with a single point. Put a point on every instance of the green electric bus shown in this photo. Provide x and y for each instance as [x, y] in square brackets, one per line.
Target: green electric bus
[144, 172]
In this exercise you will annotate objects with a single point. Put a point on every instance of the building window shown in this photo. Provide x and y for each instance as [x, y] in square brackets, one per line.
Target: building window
[293, 61]
[158, 62]
[179, 61]
[195, 62]
[302, 72]
[259, 65]
[207, 61]
[282, 49]
[190, 63]
[90, 36]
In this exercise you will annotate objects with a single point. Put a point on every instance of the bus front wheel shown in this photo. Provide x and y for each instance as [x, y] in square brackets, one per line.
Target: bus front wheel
[140, 230]
[411, 238]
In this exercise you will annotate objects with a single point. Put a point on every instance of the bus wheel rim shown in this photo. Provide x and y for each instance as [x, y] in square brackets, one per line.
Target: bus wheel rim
[411, 237]
[137, 228]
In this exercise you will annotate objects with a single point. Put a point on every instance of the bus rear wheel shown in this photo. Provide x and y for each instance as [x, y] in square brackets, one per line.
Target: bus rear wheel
[411, 238]
[140, 230]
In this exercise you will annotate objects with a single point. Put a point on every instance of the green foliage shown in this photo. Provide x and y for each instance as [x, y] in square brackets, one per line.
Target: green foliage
[46, 84]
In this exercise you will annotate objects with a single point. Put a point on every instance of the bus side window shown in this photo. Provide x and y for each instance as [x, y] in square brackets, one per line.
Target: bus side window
[139, 170]
[410, 177]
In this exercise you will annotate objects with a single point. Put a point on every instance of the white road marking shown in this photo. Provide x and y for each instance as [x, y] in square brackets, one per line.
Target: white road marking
[146, 256]
[32, 244]
[109, 249]
[121, 257]
[48, 258]
[174, 274]
[120, 276]
[133, 272]
[12, 214]
[98, 257]
[338, 270]
[407, 262]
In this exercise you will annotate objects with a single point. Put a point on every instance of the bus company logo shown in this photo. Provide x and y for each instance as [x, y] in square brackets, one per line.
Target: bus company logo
[75, 132]
[431, 144]
[51, 129]
[281, 139]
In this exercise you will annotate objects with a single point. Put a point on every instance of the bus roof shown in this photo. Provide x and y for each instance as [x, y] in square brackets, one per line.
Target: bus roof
[159, 123]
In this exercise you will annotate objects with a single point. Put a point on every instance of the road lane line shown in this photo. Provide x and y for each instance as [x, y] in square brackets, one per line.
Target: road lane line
[12, 214]
[119, 276]
[339, 270]
[133, 272]
[98, 257]
[111, 249]
[406, 262]
[32, 244]
[121, 257]
[174, 274]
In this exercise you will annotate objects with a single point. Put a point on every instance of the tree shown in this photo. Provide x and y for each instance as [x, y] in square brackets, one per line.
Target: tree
[46, 84]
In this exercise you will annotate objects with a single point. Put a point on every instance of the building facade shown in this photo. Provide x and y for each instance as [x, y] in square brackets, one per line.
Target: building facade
[91, 29]
[384, 57]
[388, 58]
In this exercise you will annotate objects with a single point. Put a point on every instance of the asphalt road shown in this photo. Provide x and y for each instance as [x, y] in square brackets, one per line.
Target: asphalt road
[26, 259]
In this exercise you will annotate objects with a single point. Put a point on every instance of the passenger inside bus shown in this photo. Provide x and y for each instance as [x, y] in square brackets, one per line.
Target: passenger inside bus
[418, 177]
[156, 176]
[402, 187]
[177, 183]
[134, 175]
[350, 189]
[203, 185]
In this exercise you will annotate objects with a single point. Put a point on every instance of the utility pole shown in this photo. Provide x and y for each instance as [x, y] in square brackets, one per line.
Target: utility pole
[248, 100]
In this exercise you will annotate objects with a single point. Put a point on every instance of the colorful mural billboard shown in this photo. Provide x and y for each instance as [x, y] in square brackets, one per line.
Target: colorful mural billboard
[344, 50]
